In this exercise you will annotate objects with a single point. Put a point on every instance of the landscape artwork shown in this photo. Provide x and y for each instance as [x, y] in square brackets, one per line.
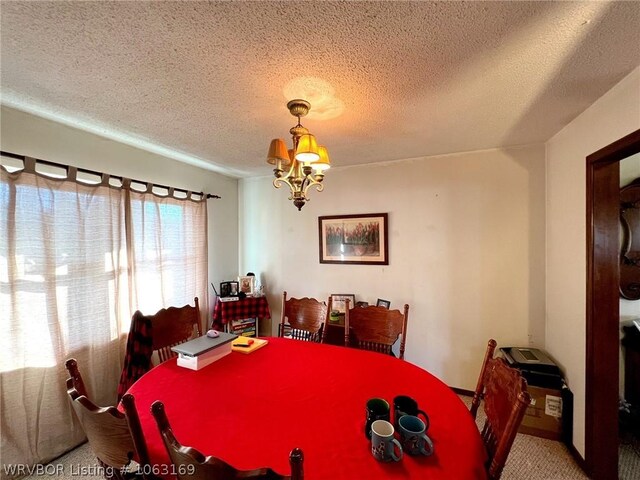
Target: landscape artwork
[354, 239]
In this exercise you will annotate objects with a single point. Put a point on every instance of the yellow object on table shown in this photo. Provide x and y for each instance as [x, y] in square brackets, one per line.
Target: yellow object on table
[247, 344]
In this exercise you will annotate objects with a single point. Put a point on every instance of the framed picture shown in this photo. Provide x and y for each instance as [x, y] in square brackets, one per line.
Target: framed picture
[229, 289]
[247, 284]
[354, 239]
[383, 303]
[338, 302]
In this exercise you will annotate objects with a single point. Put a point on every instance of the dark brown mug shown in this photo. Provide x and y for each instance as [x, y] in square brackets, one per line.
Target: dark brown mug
[404, 405]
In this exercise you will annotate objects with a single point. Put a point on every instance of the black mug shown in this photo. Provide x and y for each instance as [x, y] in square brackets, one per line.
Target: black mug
[403, 405]
[377, 409]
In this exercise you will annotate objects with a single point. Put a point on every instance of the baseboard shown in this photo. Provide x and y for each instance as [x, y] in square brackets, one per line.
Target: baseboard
[578, 458]
[462, 391]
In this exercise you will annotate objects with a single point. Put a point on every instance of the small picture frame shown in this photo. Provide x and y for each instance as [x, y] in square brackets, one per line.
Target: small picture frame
[338, 302]
[383, 303]
[228, 289]
[362, 304]
[247, 284]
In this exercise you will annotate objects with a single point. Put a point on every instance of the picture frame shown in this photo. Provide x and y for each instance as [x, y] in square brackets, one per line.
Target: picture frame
[228, 289]
[360, 239]
[383, 303]
[247, 284]
[338, 302]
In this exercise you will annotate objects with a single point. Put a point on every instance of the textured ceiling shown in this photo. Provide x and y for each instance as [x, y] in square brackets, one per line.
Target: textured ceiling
[207, 82]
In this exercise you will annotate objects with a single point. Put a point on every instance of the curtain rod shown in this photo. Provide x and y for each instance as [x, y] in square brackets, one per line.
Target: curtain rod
[25, 159]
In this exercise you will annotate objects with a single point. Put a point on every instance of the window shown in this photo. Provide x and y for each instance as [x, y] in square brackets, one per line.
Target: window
[76, 260]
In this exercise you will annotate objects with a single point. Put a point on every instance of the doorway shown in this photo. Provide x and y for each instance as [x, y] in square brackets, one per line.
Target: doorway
[602, 309]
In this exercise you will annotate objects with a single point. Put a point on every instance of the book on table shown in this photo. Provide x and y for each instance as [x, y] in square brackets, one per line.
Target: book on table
[248, 345]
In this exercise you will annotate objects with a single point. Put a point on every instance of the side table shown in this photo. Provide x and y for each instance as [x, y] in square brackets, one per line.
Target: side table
[248, 307]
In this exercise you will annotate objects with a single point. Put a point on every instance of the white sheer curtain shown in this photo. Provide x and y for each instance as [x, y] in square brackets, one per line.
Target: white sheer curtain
[75, 261]
[169, 252]
[60, 264]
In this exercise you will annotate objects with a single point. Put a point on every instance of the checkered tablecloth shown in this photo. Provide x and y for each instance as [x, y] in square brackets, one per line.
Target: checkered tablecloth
[249, 307]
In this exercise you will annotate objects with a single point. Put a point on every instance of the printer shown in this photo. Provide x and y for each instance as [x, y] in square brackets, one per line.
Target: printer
[545, 385]
[536, 367]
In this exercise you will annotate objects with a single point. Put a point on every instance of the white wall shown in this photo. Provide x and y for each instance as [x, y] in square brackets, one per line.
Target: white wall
[466, 241]
[26, 134]
[613, 116]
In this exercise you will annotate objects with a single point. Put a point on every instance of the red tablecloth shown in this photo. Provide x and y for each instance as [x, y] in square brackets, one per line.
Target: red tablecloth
[251, 410]
[249, 307]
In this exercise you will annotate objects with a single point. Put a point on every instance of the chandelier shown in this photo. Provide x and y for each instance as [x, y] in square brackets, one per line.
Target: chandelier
[302, 166]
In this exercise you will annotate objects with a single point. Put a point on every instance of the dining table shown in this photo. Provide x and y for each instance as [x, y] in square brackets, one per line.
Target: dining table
[251, 410]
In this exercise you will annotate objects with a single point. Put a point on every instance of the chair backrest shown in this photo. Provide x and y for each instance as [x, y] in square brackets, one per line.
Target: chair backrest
[75, 378]
[106, 428]
[505, 402]
[306, 317]
[193, 465]
[375, 328]
[325, 330]
[172, 326]
[479, 392]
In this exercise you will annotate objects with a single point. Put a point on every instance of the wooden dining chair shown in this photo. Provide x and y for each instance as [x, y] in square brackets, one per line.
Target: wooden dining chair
[504, 391]
[192, 465]
[302, 318]
[478, 394]
[106, 429]
[172, 326]
[156, 333]
[375, 328]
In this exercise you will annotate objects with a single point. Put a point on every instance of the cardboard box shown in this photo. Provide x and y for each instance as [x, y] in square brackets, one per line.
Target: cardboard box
[543, 418]
[202, 351]
[200, 361]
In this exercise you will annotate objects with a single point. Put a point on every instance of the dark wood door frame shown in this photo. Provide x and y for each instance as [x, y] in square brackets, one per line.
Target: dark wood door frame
[603, 304]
